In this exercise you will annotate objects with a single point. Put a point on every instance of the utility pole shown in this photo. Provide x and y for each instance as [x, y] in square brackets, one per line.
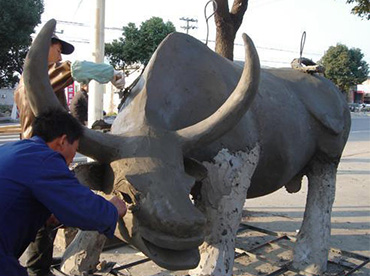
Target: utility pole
[96, 90]
[187, 27]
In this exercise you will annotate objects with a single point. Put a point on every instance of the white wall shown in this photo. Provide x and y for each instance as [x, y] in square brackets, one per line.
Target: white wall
[6, 96]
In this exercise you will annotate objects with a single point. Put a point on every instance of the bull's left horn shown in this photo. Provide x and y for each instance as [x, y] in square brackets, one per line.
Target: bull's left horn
[99, 146]
[229, 114]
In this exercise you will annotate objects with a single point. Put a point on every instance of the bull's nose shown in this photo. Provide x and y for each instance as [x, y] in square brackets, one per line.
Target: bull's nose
[182, 220]
[186, 221]
[171, 242]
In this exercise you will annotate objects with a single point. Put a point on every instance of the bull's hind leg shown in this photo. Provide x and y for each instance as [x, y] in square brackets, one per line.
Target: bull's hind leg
[312, 246]
[223, 196]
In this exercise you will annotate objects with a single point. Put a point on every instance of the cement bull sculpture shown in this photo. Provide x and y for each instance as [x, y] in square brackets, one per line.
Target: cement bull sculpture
[182, 131]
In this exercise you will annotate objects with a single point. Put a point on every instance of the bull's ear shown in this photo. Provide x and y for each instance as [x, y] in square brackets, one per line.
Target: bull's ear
[195, 169]
[96, 176]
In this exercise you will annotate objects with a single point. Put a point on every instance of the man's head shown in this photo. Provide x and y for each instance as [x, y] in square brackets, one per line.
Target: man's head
[59, 47]
[61, 132]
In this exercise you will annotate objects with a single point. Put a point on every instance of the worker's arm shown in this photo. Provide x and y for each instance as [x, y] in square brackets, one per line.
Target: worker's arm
[85, 71]
[73, 204]
[60, 75]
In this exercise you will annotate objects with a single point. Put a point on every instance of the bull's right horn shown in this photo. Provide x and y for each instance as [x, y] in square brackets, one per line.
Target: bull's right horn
[229, 114]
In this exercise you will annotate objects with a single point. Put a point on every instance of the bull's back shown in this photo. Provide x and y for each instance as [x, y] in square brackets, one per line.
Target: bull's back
[287, 130]
[291, 113]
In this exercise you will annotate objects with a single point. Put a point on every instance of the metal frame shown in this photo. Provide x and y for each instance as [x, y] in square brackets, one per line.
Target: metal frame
[347, 267]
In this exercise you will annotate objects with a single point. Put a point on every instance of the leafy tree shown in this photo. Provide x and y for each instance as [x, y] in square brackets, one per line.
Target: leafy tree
[17, 22]
[138, 44]
[227, 24]
[362, 8]
[344, 66]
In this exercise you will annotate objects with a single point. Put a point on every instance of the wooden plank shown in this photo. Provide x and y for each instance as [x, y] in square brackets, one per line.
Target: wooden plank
[10, 129]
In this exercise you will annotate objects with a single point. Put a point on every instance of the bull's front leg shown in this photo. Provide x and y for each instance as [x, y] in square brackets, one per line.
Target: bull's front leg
[223, 196]
[312, 246]
[83, 254]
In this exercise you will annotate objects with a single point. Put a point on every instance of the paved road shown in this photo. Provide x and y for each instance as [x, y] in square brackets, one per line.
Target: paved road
[360, 128]
[4, 138]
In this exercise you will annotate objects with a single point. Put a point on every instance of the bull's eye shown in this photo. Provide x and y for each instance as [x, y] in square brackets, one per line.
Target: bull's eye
[196, 191]
[127, 198]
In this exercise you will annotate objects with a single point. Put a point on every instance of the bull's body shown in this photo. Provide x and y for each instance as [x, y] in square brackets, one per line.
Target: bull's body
[297, 125]
[294, 116]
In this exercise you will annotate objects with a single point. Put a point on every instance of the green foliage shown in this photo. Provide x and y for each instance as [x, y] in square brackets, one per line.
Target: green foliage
[17, 22]
[362, 8]
[344, 66]
[138, 44]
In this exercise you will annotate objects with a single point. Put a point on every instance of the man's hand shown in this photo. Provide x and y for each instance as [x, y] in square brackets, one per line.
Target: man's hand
[120, 205]
[118, 79]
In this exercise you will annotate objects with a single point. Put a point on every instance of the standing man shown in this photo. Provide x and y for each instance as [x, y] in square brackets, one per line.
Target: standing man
[61, 74]
[79, 104]
[35, 182]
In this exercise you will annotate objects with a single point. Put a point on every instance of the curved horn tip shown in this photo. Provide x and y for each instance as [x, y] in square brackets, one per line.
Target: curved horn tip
[246, 39]
[244, 36]
[51, 22]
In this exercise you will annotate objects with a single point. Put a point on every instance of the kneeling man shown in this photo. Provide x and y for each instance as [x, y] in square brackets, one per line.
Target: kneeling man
[35, 182]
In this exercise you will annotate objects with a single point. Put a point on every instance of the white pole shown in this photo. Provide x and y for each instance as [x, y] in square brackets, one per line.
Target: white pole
[96, 90]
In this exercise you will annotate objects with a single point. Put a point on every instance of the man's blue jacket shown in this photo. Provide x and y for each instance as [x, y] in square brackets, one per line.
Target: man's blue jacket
[35, 182]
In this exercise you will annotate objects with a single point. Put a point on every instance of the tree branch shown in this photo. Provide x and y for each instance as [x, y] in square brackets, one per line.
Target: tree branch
[237, 12]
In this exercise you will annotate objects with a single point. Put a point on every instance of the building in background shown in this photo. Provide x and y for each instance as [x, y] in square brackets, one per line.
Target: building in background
[363, 91]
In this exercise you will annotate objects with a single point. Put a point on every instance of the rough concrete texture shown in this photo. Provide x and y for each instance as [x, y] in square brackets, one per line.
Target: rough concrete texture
[84, 253]
[311, 248]
[64, 237]
[224, 193]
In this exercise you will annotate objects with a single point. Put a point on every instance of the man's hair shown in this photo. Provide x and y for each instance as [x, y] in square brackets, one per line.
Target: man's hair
[53, 124]
[54, 41]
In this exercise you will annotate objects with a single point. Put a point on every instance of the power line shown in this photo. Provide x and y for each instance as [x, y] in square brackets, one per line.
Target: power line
[84, 25]
[270, 48]
[261, 4]
[187, 27]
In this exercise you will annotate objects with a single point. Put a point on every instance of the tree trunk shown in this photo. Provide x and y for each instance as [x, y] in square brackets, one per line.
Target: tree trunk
[227, 24]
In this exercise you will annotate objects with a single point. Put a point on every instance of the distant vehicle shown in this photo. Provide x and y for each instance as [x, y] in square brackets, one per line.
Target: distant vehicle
[355, 107]
[365, 107]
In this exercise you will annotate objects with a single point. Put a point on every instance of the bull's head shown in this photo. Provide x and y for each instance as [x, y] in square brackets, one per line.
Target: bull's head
[145, 162]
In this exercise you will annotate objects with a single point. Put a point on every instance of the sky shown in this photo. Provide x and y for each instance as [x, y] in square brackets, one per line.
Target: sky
[276, 26]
